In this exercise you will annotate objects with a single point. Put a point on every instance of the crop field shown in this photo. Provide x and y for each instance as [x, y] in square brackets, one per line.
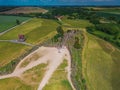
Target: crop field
[102, 71]
[13, 83]
[5, 52]
[35, 31]
[7, 22]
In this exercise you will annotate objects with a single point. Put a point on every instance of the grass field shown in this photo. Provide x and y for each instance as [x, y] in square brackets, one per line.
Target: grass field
[36, 31]
[5, 52]
[102, 65]
[77, 23]
[14, 84]
[7, 22]
[59, 79]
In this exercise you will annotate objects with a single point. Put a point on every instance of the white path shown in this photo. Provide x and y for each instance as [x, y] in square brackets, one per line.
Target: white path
[52, 57]
[16, 41]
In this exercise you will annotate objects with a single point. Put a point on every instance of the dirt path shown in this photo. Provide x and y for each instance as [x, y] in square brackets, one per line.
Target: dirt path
[52, 56]
[16, 41]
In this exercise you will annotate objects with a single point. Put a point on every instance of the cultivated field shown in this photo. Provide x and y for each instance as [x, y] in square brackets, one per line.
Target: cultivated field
[7, 22]
[101, 64]
[35, 31]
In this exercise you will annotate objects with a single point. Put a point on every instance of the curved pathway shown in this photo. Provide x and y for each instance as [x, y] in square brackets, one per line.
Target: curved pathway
[53, 60]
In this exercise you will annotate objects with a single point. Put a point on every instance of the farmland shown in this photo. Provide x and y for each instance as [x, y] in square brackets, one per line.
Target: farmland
[36, 31]
[7, 22]
[74, 51]
[101, 64]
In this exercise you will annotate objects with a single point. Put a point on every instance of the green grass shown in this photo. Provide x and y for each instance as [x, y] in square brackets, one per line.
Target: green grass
[10, 51]
[102, 65]
[59, 80]
[77, 23]
[13, 84]
[7, 22]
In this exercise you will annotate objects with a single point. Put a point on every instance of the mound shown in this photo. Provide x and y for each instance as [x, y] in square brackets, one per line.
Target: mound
[25, 10]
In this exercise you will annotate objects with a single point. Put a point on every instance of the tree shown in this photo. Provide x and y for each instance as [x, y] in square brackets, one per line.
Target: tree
[60, 31]
[17, 22]
[77, 44]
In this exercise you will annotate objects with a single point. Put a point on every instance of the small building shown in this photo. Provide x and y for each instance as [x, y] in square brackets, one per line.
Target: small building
[21, 38]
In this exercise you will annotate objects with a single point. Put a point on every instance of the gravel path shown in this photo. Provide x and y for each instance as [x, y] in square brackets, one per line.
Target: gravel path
[52, 56]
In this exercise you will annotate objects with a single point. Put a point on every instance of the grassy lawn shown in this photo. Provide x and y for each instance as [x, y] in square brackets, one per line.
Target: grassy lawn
[102, 65]
[7, 22]
[13, 84]
[59, 80]
[77, 23]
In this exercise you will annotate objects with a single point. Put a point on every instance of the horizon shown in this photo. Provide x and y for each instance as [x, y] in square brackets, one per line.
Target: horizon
[59, 3]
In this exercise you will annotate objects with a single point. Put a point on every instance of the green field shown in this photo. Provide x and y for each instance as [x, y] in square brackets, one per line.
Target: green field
[14, 84]
[35, 31]
[77, 23]
[7, 22]
[5, 52]
[101, 65]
